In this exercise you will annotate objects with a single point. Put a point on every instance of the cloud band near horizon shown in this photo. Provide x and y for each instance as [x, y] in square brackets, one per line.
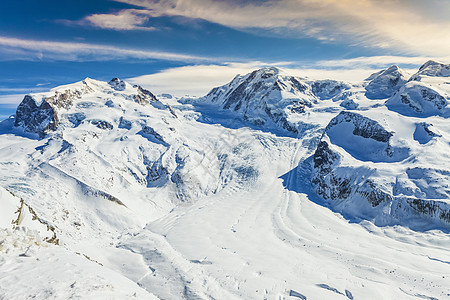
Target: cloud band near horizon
[406, 26]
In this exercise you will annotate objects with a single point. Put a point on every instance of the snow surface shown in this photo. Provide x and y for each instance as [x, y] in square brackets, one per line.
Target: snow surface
[191, 199]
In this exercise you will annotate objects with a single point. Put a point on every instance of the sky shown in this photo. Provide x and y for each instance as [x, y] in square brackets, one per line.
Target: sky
[187, 47]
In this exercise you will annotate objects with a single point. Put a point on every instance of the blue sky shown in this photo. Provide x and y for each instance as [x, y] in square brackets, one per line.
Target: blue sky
[189, 46]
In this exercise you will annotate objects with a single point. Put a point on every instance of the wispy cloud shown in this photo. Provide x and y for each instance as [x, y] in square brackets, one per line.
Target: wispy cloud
[200, 79]
[407, 26]
[126, 19]
[193, 80]
[11, 101]
[368, 62]
[14, 48]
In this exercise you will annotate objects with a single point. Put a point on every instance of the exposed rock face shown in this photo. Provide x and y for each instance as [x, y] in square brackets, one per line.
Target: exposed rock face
[329, 181]
[324, 158]
[385, 83]
[41, 113]
[363, 138]
[102, 124]
[117, 84]
[44, 118]
[427, 92]
[266, 96]
[144, 96]
[349, 104]
[363, 126]
[358, 189]
[327, 89]
[419, 99]
[331, 184]
[36, 119]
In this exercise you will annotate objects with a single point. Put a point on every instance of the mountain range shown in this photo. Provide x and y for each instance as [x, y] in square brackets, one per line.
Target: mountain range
[269, 187]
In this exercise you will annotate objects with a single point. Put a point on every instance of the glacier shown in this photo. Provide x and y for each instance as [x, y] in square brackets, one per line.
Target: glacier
[269, 187]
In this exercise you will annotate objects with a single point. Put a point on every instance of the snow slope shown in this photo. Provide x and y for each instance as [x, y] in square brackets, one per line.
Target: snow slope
[385, 83]
[426, 93]
[236, 195]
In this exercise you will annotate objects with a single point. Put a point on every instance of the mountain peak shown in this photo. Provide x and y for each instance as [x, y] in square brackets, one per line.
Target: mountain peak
[432, 69]
[392, 68]
[43, 112]
[385, 83]
[269, 71]
[117, 84]
[429, 63]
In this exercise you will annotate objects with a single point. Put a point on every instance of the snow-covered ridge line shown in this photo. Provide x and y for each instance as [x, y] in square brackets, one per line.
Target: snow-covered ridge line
[365, 190]
[180, 198]
[267, 97]
[40, 113]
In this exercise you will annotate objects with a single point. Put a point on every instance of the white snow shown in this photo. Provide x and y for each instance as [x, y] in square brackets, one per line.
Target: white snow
[181, 199]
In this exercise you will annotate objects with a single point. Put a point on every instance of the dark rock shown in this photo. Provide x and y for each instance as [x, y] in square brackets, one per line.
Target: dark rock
[144, 96]
[327, 89]
[117, 84]
[363, 126]
[36, 119]
[418, 99]
[102, 124]
[43, 118]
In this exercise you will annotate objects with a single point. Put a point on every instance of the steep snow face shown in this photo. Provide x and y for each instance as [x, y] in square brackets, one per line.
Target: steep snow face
[427, 92]
[266, 97]
[364, 138]
[432, 69]
[350, 170]
[425, 133]
[41, 113]
[385, 83]
[117, 148]
[263, 96]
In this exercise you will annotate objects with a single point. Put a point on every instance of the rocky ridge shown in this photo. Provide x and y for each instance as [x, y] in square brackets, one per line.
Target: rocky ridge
[41, 113]
[360, 159]
[267, 96]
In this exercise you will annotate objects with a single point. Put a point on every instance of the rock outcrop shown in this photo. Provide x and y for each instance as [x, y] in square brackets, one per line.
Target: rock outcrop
[350, 172]
[264, 96]
[41, 113]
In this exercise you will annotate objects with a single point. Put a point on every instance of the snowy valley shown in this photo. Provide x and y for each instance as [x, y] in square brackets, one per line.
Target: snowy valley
[269, 187]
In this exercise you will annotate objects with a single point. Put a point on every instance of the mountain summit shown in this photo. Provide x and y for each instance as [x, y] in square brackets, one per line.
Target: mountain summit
[42, 113]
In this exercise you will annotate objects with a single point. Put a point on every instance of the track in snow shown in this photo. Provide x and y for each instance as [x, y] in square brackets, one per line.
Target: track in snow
[267, 242]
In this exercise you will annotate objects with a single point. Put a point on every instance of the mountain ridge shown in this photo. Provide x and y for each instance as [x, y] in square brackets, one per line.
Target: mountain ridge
[181, 197]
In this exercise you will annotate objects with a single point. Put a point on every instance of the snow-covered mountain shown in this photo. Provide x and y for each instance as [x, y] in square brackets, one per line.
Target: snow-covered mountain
[267, 96]
[425, 94]
[362, 157]
[385, 83]
[269, 187]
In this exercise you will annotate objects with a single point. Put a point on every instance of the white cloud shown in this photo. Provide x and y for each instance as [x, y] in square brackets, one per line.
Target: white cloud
[22, 90]
[377, 61]
[200, 79]
[403, 25]
[11, 100]
[126, 19]
[192, 80]
[14, 48]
